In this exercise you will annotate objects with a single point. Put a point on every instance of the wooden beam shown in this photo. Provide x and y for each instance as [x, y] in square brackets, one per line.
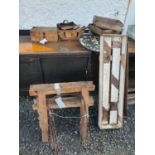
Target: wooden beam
[70, 102]
[65, 88]
[122, 79]
[43, 116]
[84, 114]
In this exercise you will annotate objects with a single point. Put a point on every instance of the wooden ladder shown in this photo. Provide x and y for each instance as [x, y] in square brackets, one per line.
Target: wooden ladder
[81, 98]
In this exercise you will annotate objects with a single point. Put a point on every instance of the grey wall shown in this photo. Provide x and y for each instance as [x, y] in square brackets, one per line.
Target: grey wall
[49, 12]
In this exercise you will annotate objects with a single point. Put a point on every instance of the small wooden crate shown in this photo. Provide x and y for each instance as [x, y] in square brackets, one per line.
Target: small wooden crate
[70, 34]
[39, 33]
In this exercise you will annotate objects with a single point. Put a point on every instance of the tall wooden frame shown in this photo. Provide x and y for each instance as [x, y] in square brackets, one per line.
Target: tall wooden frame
[112, 70]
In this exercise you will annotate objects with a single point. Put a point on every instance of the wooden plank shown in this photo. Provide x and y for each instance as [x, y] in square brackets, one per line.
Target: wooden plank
[70, 102]
[106, 79]
[68, 87]
[100, 107]
[106, 75]
[122, 79]
[84, 114]
[43, 117]
[115, 74]
[100, 31]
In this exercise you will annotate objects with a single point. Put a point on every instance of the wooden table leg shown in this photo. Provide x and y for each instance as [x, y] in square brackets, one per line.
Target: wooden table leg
[84, 114]
[43, 116]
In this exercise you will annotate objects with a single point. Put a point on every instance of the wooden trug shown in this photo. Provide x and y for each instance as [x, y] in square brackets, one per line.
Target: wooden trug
[70, 34]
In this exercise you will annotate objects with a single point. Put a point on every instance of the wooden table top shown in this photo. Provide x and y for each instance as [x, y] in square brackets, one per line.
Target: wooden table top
[70, 47]
[27, 47]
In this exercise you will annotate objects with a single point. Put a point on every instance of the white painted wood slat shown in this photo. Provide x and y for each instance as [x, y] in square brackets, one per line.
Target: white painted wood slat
[115, 73]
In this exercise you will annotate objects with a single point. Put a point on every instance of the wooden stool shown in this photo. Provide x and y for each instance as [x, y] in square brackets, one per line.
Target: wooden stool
[42, 104]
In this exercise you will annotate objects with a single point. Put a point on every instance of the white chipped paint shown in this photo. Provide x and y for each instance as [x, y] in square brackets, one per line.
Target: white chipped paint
[106, 78]
[100, 83]
[119, 113]
[115, 73]
[113, 117]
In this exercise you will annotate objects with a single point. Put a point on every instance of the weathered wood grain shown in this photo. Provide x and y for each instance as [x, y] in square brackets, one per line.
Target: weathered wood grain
[107, 23]
[84, 114]
[39, 33]
[69, 87]
[43, 116]
[117, 85]
[83, 100]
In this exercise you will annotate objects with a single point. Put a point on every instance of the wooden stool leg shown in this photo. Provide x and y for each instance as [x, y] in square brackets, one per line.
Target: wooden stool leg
[84, 114]
[43, 116]
[52, 130]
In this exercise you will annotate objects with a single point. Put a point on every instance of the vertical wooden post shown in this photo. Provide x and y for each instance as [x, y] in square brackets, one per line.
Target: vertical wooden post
[84, 122]
[105, 65]
[122, 79]
[43, 116]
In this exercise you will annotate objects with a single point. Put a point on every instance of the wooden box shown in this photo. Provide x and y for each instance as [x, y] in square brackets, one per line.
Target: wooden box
[108, 23]
[39, 33]
[70, 34]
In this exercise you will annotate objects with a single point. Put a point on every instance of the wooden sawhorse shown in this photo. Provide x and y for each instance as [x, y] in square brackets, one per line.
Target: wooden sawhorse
[41, 91]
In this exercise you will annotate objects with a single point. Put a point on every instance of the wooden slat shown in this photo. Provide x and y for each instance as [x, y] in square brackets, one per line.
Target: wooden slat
[106, 75]
[43, 117]
[84, 114]
[65, 88]
[122, 78]
[106, 79]
[115, 73]
[100, 107]
[70, 102]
